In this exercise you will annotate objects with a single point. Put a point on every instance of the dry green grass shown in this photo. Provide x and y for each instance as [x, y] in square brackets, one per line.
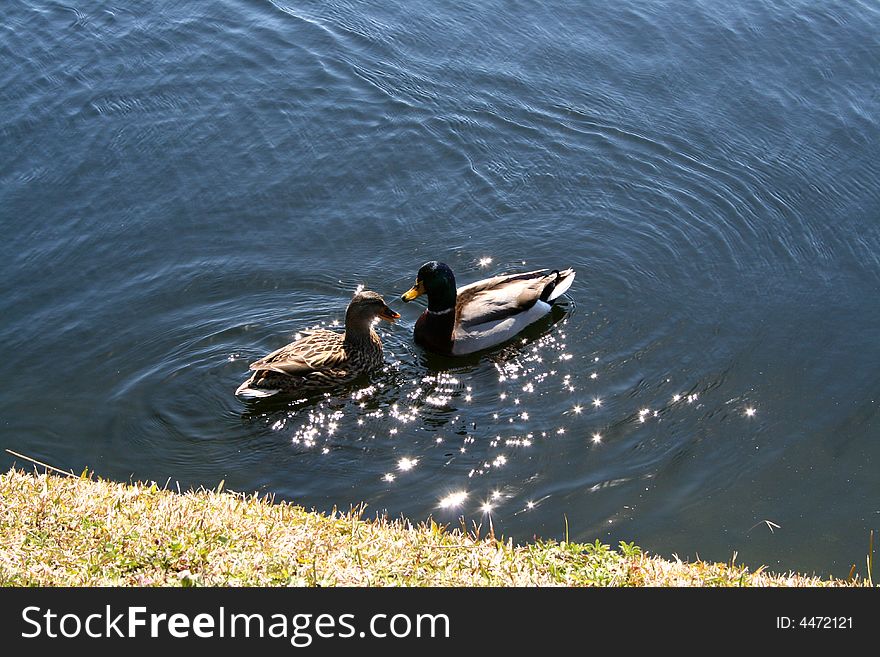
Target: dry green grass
[58, 531]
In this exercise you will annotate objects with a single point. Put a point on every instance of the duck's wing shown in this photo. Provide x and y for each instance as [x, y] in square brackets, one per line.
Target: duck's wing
[495, 299]
[317, 350]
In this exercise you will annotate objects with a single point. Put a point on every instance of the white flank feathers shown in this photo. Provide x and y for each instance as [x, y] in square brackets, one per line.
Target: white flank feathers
[484, 336]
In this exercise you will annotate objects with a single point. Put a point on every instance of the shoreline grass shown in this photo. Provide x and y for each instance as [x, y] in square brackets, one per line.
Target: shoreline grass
[79, 531]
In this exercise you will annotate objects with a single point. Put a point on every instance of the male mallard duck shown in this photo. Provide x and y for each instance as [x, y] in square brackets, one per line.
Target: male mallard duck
[482, 314]
[322, 357]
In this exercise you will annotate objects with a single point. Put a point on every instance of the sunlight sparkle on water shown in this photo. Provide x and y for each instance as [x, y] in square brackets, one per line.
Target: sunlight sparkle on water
[406, 463]
[577, 409]
[597, 402]
[484, 261]
[453, 500]
[486, 508]
[750, 411]
[597, 438]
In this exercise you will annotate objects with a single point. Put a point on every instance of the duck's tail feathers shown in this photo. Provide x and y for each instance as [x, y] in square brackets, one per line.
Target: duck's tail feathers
[560, 286]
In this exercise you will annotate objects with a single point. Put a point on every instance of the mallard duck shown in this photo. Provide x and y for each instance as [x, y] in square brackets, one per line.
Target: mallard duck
[482, 314]
[321, 357]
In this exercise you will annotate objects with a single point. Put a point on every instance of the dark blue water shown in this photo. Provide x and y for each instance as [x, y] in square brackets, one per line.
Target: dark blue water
[184, 185]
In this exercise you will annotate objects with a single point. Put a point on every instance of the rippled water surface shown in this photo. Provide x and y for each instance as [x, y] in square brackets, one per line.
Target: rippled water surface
[185, 185]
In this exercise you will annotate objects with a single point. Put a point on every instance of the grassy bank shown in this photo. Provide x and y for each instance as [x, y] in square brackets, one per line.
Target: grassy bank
[67, 531]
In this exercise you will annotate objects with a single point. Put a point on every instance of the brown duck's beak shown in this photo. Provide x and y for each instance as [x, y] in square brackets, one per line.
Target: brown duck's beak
[414, 292]
[388, 315]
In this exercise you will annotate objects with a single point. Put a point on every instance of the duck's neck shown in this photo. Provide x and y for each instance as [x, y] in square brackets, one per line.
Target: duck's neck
[360, 338]
[442, 302]
[359, 332]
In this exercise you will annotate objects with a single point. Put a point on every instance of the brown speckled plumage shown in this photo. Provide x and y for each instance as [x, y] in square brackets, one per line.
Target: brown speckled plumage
[322, 358]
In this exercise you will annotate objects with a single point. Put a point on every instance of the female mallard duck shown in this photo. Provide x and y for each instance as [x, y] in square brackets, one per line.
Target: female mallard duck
[322, 357]
[482, 314]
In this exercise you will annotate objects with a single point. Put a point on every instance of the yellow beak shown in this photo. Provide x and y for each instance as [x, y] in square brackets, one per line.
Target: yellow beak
[414, 292]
